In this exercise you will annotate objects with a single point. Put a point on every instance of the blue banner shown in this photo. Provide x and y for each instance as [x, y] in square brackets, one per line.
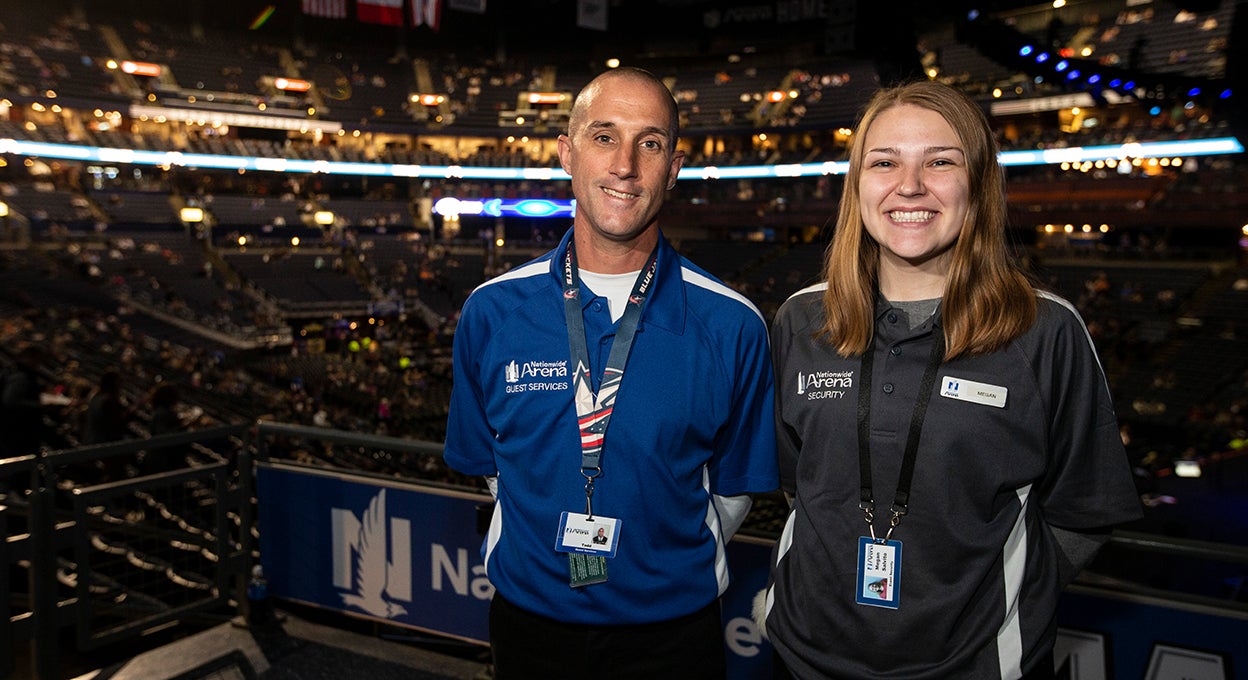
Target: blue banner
[407, 554]
[411, 555]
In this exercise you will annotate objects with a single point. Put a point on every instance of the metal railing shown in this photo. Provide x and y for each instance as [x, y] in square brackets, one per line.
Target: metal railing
[118, 557]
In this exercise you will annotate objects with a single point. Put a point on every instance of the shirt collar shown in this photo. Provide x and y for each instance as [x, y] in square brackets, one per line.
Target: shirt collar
[882, 306]
[666, 306]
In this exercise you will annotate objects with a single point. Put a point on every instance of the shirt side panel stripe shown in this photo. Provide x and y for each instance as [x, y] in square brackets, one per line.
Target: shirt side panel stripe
[701, 281]
[1009, 636]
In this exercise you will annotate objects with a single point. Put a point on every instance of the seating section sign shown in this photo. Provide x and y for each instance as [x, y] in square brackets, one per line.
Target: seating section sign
[410, 555]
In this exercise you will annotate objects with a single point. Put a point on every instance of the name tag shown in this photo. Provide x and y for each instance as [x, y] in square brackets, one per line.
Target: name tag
[969, 390]
[588, 536]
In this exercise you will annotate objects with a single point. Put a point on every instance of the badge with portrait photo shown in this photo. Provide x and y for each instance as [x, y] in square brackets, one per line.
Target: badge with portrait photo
[879, 573]
[587, 535]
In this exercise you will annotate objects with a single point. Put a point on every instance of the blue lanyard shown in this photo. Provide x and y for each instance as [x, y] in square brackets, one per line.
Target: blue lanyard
[593, 410]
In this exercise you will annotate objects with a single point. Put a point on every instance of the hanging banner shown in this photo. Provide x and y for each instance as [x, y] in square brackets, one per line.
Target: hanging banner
[389, 12]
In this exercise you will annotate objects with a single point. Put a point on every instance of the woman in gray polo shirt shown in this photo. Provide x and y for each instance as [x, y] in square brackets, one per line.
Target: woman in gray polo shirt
[946, 433]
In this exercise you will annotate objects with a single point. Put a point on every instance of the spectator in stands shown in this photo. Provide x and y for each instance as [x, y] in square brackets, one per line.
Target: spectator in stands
[689, 440]
[108, 416]
[168, 415]
[926, 372]
[21, 405]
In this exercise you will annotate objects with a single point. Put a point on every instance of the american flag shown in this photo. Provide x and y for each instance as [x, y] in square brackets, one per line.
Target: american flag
[389, 12]
[427, 13]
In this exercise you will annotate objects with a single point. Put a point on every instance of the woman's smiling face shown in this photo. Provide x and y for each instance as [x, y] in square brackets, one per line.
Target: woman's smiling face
[914, 189]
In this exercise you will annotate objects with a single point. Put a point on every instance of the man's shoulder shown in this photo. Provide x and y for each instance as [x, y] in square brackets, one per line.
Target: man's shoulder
[726, 299]
[519, 281]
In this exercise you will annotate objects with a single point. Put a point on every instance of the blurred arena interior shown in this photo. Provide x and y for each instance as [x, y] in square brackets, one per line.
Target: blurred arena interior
[233, 208]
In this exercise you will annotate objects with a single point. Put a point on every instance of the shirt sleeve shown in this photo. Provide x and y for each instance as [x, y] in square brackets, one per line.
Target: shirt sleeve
[1088, 484]
[788, 444]
[745, 455]
[469, 438]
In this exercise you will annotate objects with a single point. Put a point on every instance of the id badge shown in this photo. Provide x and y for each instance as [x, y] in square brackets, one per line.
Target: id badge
[879, 573]
[598, 536]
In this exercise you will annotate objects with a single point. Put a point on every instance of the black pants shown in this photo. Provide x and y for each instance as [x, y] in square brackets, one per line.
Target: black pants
[527, 646]
[1042, 671]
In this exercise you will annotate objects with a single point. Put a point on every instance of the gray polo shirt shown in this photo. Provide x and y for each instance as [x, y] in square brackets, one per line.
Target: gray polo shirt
[1013, 443]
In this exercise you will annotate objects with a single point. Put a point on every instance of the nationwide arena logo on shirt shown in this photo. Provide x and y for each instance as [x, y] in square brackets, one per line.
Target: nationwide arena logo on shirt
[824, 384]
[536, 376]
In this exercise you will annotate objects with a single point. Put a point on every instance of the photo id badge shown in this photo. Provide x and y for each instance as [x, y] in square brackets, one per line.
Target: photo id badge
[598, 536]
[879, 572]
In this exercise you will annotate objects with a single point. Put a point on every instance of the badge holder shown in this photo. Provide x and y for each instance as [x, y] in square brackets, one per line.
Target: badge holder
[879, 567]
[589, 541]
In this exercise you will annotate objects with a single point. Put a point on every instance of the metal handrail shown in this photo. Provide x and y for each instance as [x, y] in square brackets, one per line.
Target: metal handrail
[255, 448]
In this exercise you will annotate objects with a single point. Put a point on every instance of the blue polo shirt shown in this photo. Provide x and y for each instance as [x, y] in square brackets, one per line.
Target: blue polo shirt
[693, 418]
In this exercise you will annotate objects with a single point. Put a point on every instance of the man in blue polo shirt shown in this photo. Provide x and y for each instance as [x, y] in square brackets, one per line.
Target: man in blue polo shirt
[612, 388]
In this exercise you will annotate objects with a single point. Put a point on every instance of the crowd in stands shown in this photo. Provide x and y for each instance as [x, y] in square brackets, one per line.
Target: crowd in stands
[366, 86]
[118, 236]
[116, 367]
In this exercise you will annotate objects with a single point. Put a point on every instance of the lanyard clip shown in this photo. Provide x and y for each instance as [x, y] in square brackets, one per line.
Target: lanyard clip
[897, 511]
[868, 513]
[589, 473]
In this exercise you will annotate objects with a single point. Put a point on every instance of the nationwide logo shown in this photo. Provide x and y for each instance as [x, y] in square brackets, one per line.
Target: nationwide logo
[818, 385]
[536, 376]
[378, 583]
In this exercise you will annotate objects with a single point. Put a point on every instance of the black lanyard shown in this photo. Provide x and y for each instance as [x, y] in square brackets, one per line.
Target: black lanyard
[901, 503]
[593, 410]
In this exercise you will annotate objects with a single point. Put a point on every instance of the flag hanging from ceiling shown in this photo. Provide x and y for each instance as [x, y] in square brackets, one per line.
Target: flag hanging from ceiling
[389, 12]
[330, 9]
[427, 13]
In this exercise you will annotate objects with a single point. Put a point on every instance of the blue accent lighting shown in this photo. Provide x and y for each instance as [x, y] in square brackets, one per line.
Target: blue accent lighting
[1129, 85]
[1073, 74]
[1195, 91]
[1027, 49]
[1094, 78]
[541, 208]
[1061, 65]
[1042, 57]
[1226, 94]
[1155, 111]
[1115, 82]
